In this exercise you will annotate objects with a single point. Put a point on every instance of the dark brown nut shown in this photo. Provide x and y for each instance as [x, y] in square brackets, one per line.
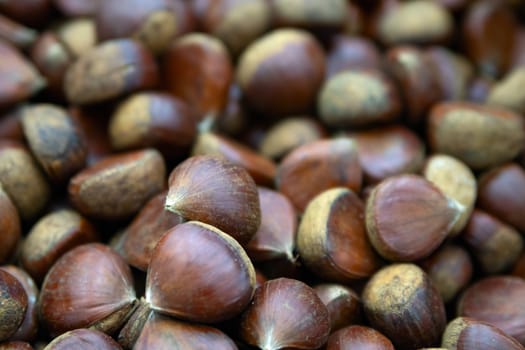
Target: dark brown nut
[143, 233]
[343, 304]
[508, 92]
[216, 192]
[452, 72]
[53, 235]
[10, 126]
[276, 235]
[351, 53]
[152, 119]
[89, 286]
[416, 22]
[109, 70]
[502, 194]
[260, 168]
[10, 230]
[456, 181]
[450, 268]
[489, 31]
[519, 267]
[30, 12]
[20, 80]
[13, 306]
[407, 217]
[465, 333]
[234, 118]
[320, 16]
[495, 245]
[285, 313]
[119, 185]
[226, 20]
[198, 70]
[409, 66]
[495, 300]
[155, 23]
[15, 33]
[84, 339]
[388, 151]
[358, 98]
[331, 239]
[78, 35]
[285, 55]
[54, 140]
[317, 166]
[401, 302]
[160, 332]
[288, 134]
[27, 330]
[23, 180]
[481, 136]
[358, 338]
[181, 283]
[77, 8]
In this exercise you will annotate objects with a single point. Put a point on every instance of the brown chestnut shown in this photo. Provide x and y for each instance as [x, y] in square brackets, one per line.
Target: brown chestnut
[343, 304]
[10, 230]
[13, 305]
[358, 338]
[217, 192]
[351, 53]
[83, 339]
[285, 313]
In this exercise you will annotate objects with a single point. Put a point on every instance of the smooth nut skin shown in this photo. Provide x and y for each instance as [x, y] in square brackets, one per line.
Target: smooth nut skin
[181, 283]
[89, 286]
[109, 70]
[495, 245]
[216, 192]
[143, 233]
[161, 332]
[197, 69]
[155, 23]
[387, 151]
[489, 31]
[317, 166]
[508, 93]
[53, 235]
[450, 268]
[285, 55]
[285, 313]
[27, 331]
[401, 302]
[13, 305]
[358, 98]
[10, 230]
[493, 300]
[416, 22]
[152, 119]
[22, 180]
[465, 333]
[501, 193]
[351, 53]
[343, 304]
[358, 338]
[407, 218]
[25, 82]
[313, 15]
[83, 339]
[119, 185]
[54, 140]
[479, 135]
[332, 240]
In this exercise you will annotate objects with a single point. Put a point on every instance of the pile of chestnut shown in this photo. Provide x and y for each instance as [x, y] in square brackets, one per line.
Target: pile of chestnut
[262, 174]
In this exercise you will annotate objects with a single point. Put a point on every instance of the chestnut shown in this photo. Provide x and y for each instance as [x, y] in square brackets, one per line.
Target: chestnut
[217, 192]
[507, 93]
[77, 35]
[407, 217]
[317, 166]
[343, 304]
[53, 235]
[493, 300]
[110, 70]
[351, 53]
[117, 186]
[401, 302]
[13, 306]
[10, 230]
[83, 339]
[358, 338]
[284, 55]
[479, 135]
[285, 313]
[332, 240]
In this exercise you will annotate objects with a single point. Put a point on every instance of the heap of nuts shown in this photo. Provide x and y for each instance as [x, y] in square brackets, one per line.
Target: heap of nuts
[262, 174]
